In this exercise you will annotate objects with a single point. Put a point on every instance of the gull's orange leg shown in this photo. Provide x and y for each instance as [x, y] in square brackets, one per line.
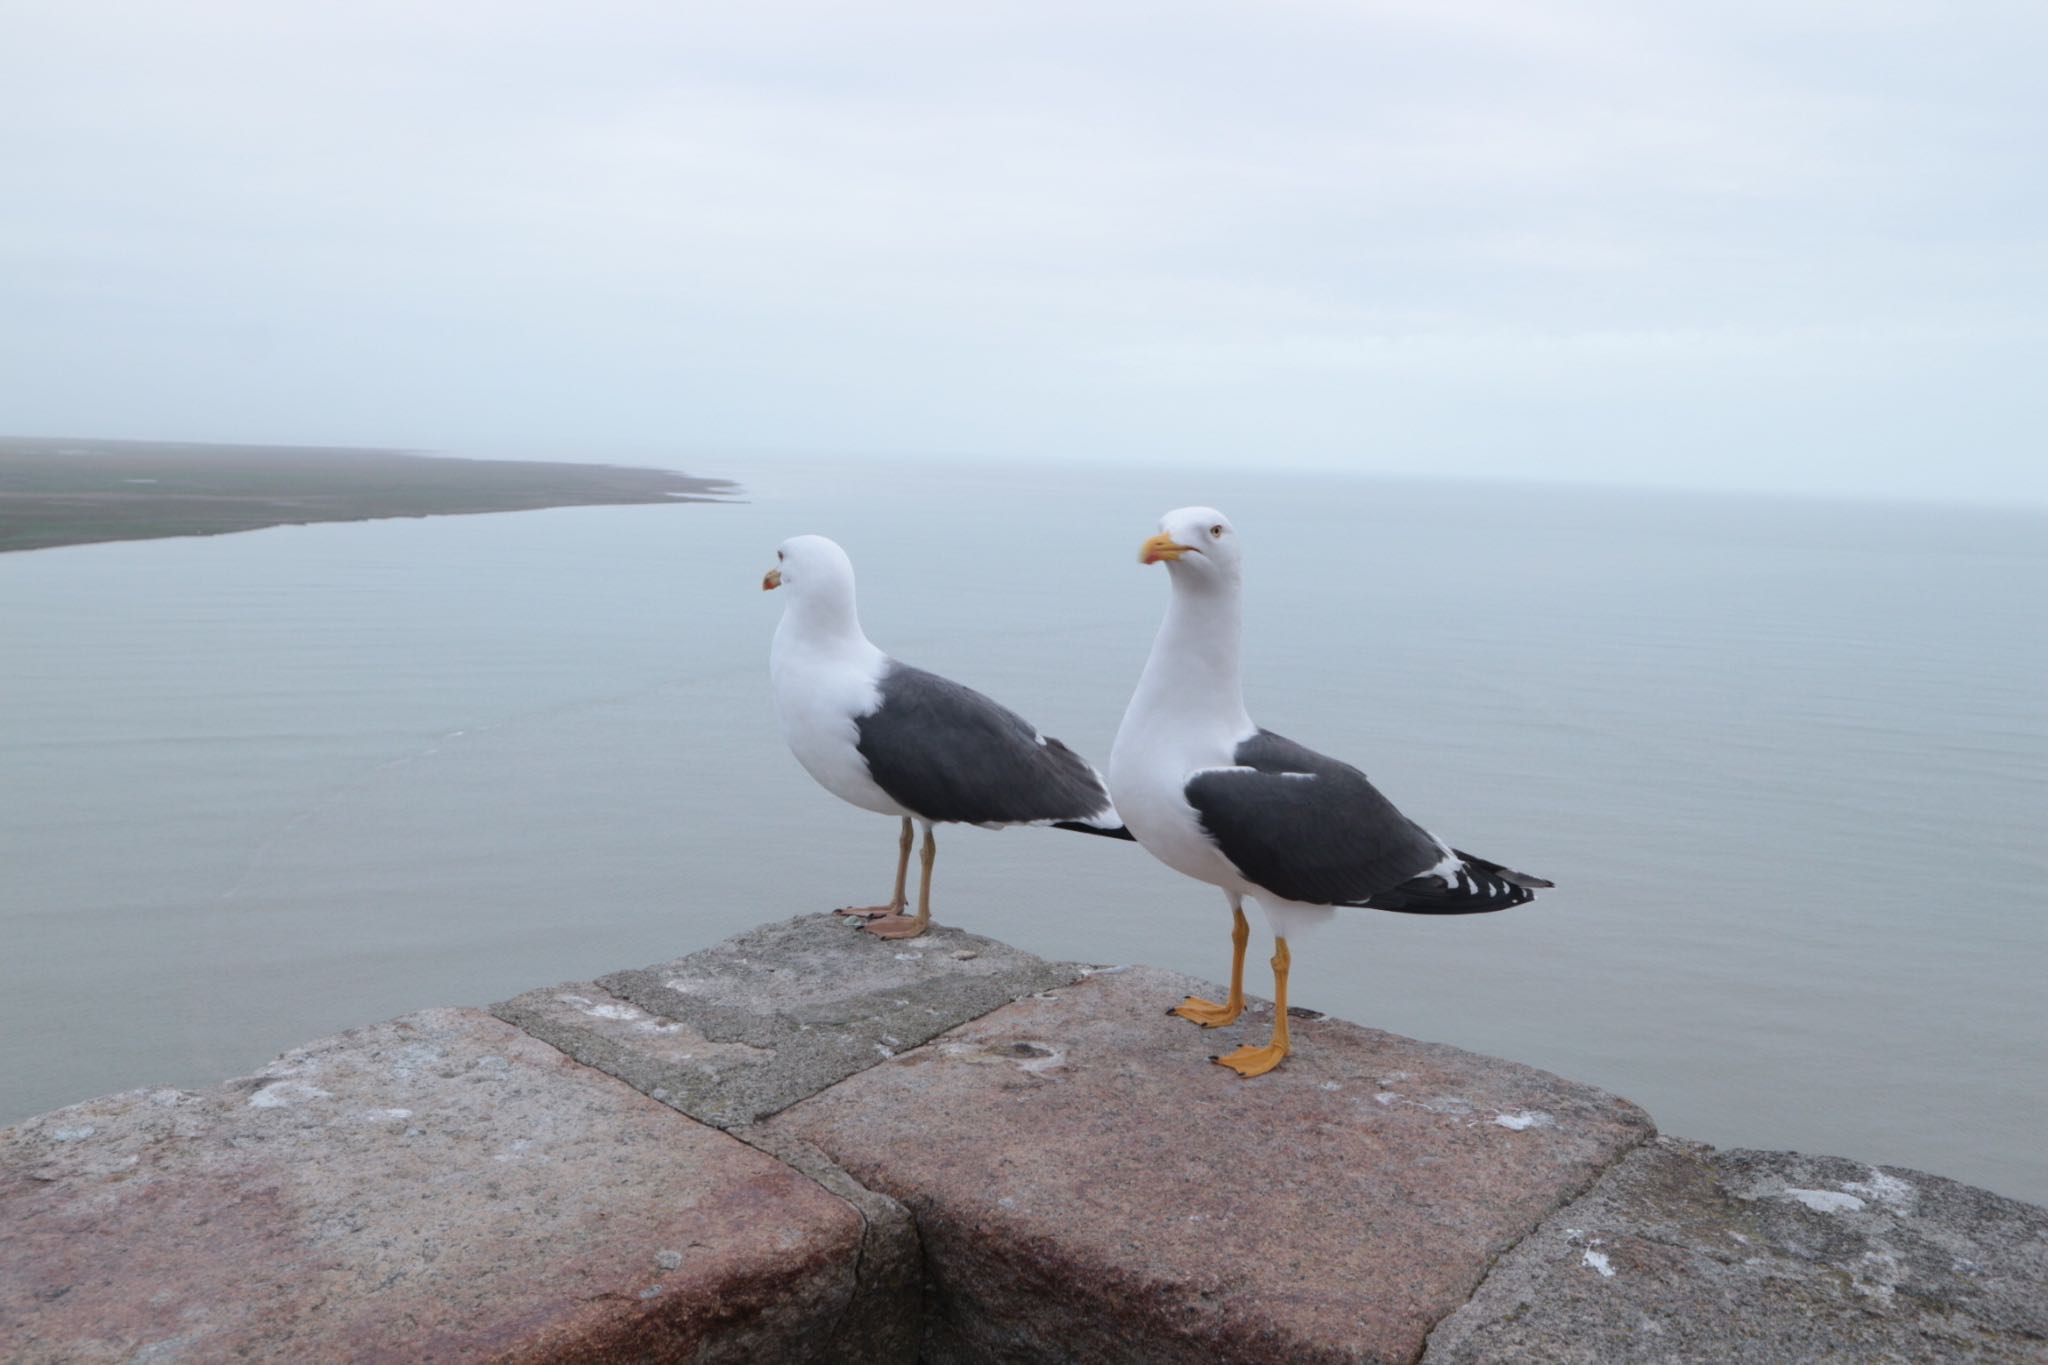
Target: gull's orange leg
[1207, 1013]
[907, 926]
[1257, 1061]
[896, 901]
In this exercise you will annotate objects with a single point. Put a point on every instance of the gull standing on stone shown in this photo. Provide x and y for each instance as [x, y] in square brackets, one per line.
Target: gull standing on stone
[900, 741]
[1212, 795]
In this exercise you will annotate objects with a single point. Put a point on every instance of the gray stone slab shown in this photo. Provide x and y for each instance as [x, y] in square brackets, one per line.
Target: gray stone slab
[748, 1027]
[439, 1187]
[1684, 1254]
[1089, 1187]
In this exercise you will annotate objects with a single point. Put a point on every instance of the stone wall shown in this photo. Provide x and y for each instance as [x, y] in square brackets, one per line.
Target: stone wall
[807, 1144]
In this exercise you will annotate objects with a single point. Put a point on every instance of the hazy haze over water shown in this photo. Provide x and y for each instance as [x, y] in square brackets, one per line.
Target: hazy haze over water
[1788, 762]
[1790, 246]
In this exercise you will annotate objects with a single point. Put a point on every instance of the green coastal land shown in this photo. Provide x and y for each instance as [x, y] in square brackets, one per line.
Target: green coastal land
[60, 491]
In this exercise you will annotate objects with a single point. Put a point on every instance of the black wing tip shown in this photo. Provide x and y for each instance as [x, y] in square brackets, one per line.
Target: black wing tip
[1399, 902]
[1482, 888]
[1468, 906]
[1526, 880]
[1119, 832]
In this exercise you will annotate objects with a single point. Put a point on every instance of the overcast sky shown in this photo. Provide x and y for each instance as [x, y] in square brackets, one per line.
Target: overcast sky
[1792, 245]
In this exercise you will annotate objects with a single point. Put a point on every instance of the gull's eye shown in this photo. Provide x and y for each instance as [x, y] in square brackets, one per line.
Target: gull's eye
[778, 556]
[1216, 531]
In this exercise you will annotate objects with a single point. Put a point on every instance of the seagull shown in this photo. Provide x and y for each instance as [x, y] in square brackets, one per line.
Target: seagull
[1211, 795]
[900, 741]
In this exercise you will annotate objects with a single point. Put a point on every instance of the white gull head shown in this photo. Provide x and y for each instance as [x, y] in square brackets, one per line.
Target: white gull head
[808, 565]
[1199, 547]
[818, 577]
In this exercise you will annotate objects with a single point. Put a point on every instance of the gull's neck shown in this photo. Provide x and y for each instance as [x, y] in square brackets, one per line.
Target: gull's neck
[1192, 680]
[821, 619]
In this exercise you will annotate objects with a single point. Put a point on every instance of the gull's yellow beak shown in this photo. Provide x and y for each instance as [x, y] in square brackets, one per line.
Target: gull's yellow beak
[771, 580]
[1161, 546]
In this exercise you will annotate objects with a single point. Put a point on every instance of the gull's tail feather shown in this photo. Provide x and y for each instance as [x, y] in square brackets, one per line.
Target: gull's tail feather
[1473, 886]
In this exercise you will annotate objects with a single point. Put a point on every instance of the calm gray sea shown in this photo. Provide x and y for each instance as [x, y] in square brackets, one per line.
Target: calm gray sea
[1787, 762]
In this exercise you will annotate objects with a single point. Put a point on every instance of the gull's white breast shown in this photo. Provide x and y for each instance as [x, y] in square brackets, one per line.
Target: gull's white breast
[1149, 769]
[820, 694]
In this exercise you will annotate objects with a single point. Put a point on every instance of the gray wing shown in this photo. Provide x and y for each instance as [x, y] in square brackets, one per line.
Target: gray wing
[947, 752]
[1307, 827]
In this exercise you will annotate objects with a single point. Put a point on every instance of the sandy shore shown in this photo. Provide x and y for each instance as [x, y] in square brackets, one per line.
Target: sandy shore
[57, 491]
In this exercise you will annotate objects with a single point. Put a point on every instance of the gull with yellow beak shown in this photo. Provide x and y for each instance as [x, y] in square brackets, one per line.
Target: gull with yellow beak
[899, 741]
[1213, 796]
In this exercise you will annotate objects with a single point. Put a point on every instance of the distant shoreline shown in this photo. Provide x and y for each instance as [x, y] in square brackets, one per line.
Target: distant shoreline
[60, 491]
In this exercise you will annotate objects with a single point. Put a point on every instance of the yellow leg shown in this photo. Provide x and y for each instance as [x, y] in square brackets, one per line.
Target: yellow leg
[1257, 1061]
[896, 899]
[1207, 1013]
[907, 926]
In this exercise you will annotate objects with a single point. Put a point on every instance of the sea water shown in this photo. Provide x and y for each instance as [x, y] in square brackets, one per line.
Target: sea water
[1787, 762]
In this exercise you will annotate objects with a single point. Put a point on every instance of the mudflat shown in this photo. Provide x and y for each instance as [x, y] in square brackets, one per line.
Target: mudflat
[73, 492]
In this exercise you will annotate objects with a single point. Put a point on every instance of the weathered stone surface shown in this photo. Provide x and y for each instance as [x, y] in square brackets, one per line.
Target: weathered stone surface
[1089, 1188]
[887, 1314]
[1085, 1187]
[748, 1027]
[1684, 1254]
[440, 1187]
